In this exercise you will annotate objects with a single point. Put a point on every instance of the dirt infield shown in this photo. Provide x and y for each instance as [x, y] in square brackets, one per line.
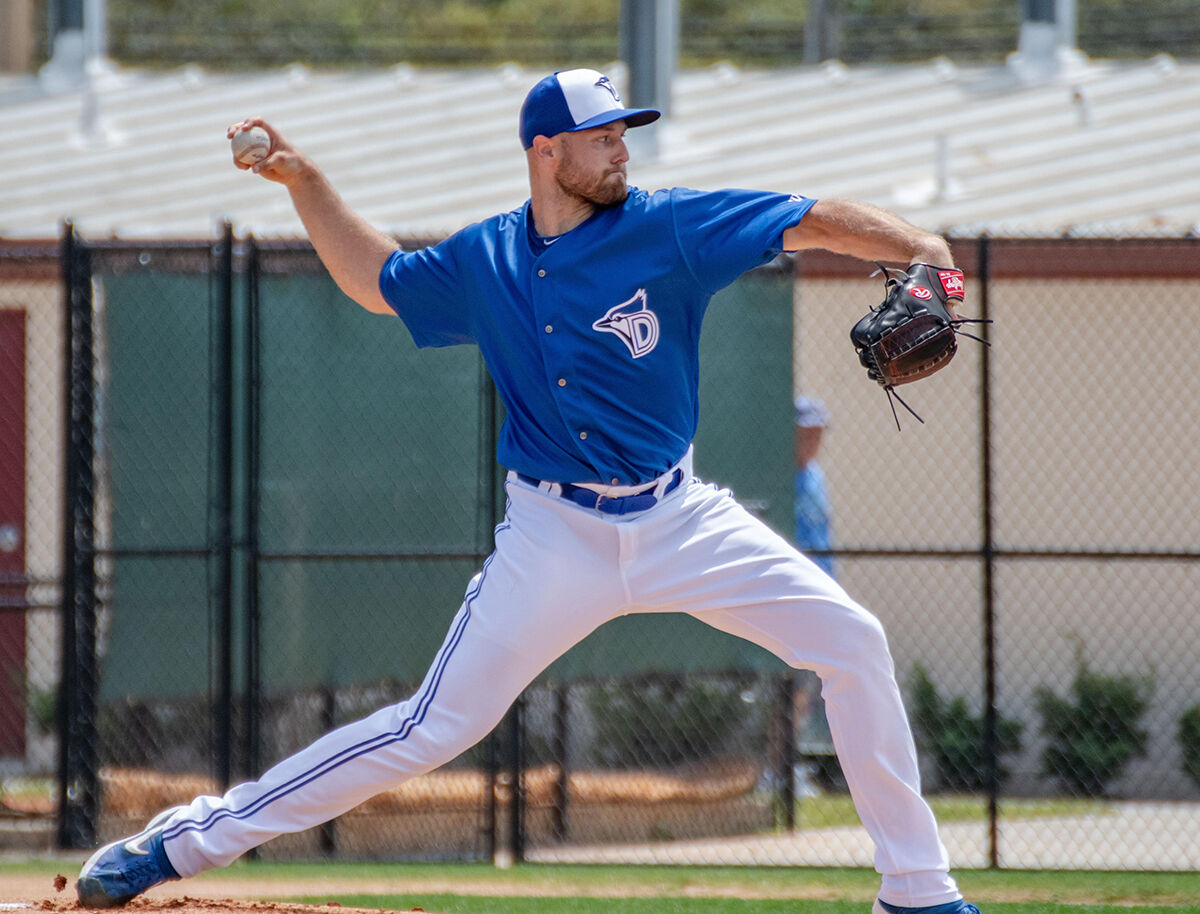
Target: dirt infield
[37, 893]
[188, 905]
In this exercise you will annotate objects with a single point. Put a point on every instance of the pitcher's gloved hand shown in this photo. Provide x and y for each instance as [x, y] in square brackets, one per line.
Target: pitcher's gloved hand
[912, 332]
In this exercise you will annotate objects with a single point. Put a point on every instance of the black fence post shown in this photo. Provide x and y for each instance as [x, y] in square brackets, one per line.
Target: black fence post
[221, 543]
[515, 724]
[505, 747]
[562, 782]
[251, 732]
[327, 831]
[486, 520]
[786, 771]
[78, 775]
[491, 826]
[516, 772]
[991, 745]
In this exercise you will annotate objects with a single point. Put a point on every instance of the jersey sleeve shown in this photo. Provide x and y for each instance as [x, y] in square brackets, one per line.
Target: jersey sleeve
[725, 233]
[424, 289]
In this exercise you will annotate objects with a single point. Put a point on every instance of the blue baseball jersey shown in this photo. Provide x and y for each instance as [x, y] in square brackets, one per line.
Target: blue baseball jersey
[592, 340]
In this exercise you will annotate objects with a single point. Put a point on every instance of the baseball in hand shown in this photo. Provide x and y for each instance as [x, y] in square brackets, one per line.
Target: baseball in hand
[251, 145]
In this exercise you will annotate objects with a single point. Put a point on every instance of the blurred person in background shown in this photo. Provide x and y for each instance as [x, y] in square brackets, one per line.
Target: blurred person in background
[811, 503]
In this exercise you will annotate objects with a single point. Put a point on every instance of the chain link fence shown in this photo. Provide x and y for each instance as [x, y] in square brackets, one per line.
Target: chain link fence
[249, 509]
[1040, 551]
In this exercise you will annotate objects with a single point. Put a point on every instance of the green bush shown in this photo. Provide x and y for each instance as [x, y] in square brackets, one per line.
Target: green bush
[1091, 738]
[1189, 742]
[955, 738]
[664, 720]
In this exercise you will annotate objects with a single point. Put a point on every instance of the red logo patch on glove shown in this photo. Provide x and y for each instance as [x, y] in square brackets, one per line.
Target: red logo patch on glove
[952, 283]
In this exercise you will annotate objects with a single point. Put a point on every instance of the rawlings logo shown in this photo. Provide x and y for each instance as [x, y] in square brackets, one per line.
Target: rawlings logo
[952, 282]
[922, 293]
[634, 323]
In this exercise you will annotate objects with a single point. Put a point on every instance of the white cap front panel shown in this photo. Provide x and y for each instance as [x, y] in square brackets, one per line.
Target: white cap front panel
[588, 93]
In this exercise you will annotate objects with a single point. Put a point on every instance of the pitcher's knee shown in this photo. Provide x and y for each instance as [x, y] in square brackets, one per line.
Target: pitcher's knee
[858, 646]
[855, 622]
[871, 629]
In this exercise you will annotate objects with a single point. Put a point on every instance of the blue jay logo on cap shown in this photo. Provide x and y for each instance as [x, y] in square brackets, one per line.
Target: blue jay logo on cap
[605, 83]
[634, 323]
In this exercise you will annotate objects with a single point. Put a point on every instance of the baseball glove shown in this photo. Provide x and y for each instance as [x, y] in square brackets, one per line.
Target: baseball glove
[911, 333]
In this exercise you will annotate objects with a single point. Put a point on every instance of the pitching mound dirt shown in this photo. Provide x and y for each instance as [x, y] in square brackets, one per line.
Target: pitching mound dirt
[186, 905]
[29, 894]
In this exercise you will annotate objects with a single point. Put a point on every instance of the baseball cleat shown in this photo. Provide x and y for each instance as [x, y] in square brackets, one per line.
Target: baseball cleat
[126, 868]
[952, 907]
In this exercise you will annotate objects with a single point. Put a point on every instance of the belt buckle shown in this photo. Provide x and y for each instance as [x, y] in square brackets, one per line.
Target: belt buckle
[601, 499]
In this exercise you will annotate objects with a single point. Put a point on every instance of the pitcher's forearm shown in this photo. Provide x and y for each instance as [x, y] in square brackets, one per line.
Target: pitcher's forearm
[868, 232]
[352, 250]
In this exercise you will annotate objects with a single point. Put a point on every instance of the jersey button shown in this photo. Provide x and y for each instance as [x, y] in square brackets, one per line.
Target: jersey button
[549, 328]
[541, 272]
[562, 382]
[583, 436]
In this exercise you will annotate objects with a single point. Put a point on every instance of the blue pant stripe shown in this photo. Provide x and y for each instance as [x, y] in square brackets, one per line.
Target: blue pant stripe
[351, 753]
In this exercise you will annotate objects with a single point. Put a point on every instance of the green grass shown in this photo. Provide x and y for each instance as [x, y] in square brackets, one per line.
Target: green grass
[460, 904]
[834, 809]
[23, 791]
[554, 889]
[559, 889]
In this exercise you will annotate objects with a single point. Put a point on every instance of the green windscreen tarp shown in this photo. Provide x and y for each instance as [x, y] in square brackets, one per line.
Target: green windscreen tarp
[371, 483]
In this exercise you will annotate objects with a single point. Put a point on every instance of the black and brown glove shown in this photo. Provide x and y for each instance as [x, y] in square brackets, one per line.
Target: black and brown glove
[912, 332]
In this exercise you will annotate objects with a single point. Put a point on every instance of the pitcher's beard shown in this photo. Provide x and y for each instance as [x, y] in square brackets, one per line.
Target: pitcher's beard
[609, 189]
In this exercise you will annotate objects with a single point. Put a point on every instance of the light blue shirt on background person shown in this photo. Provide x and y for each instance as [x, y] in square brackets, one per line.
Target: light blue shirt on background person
[811, 502]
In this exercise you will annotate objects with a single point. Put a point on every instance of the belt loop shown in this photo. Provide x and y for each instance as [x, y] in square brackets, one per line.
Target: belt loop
[674, 476]
[685, 463]
[663, 481]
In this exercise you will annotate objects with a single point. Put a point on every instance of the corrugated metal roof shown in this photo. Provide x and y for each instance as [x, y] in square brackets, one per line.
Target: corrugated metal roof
[1103, 148]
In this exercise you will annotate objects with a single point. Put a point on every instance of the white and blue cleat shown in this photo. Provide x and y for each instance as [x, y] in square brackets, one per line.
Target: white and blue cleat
[124, 869]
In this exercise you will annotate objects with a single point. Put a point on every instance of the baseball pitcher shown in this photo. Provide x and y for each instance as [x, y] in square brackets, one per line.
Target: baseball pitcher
[586, 303]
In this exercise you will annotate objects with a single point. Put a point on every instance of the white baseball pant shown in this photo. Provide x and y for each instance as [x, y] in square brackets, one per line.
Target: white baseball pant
[557, 573]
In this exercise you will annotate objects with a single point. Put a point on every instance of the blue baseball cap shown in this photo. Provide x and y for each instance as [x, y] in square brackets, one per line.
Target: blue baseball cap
[811, 412]
[572, 100]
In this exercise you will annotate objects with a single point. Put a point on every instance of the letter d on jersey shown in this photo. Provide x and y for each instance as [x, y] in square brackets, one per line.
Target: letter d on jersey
[634, 323]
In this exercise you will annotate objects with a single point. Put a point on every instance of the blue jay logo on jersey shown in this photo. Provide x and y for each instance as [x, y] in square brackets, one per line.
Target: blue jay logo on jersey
[634, 323]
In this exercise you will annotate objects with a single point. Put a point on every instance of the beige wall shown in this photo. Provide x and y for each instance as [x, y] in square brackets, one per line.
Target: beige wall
[43, 508]
[16, 36]
[1096, 432]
